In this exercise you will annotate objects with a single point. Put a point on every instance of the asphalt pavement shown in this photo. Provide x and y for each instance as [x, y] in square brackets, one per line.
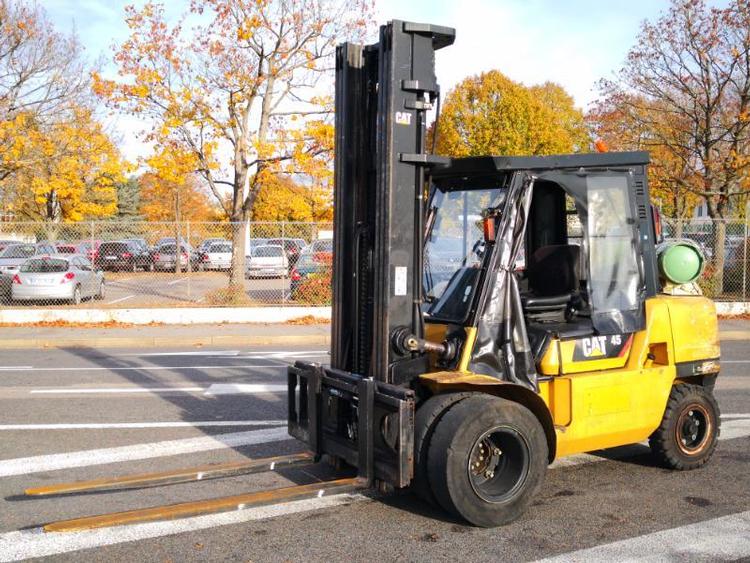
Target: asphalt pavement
[85, 413]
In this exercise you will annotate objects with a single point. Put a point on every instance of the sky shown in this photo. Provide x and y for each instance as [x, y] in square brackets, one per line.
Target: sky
[572, 42]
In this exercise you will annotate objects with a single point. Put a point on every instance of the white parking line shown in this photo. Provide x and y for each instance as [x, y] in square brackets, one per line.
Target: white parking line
[120, 299]
[719, 539]
[176, 281]
[156, 368]
[103, 390]
[26, 544]
[213, 389]
[14, 368]
[139, 425]
[86, 458]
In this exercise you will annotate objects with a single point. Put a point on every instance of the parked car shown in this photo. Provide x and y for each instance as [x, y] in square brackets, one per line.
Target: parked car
[254, 243]
[216, 256]
[306, 266]
[737, 269]
[89, 248]
[292, 246]
[139, 243]
[12, 256]
[66, 248]
[164, 257]
[267, 261]
[57, 277]
[322, 250]
[203, 246]
[4, 243]
[121, 255]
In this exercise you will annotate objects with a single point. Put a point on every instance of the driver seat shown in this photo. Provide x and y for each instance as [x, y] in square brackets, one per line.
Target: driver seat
[552, 273]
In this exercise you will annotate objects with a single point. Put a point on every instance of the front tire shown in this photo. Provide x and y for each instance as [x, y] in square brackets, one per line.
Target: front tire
[76, 300]
[689, 431]
[486, 460]
[428, 415]
[100, 294]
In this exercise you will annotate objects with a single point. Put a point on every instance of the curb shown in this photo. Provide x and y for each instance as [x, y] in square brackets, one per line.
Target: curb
[165, 341]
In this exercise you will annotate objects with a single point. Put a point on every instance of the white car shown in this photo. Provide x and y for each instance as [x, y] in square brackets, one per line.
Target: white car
[267, 261]
[66, 277]
[216, 256]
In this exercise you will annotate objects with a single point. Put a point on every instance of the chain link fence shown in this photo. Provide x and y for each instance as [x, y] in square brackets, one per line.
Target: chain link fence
[148, 264]
[140, 264]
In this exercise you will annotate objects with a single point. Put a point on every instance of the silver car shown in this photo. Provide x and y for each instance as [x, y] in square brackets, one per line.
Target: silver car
[267, 261]
[164, 257]
[12, 256]
[57, 277]
[216, 256]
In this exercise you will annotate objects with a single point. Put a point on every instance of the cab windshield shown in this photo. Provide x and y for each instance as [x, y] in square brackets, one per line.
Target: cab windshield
[454, 250]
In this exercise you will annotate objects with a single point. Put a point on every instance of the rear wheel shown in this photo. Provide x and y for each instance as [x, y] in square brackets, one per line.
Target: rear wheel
[689, 430]
[486, 460]
[76, 299]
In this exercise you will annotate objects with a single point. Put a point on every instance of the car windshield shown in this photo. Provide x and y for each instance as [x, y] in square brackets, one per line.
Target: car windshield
[454, 250]
[268, 252]
[18, 251]
[44, 266]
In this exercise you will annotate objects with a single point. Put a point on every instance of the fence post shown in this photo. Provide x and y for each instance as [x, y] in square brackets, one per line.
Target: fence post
[744, 261]
[286, 271]
[189, 264]
[93, 249]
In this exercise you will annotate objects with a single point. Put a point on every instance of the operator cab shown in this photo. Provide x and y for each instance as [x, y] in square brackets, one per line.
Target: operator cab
[564, 258]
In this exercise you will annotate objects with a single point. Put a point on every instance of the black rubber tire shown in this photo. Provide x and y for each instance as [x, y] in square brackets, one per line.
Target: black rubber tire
[450, 449]
[664, 442]
[427, 416]
[101, 293]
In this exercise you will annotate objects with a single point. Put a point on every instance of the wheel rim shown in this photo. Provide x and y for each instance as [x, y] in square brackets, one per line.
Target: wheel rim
[693, 429]
[498, 464]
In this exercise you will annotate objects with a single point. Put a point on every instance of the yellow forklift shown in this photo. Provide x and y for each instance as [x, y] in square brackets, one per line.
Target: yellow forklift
[490, 315]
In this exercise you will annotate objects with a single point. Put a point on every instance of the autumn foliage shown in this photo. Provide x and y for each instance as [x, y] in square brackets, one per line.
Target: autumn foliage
[57, 163]
[491, 114]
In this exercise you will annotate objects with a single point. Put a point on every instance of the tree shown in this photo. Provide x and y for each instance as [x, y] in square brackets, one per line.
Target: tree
[281, 199]
[128, 200]
[691, 70]
[237, 84]
[668, 174]
[43, 79]
[491, 114]
[76, 173]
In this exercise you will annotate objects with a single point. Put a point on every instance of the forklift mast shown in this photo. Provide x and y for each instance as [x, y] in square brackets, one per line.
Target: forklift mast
[383, 92]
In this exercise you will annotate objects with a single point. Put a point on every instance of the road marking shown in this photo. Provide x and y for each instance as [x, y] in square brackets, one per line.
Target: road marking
[86, 458]
[118, 425]
[735, 361]
[735, 415]
[201, 353]
[120, 299]
[213, 389]
[176, 281]
[155, 368]
[698, 538]
[26, 544]
[719, 539]
[98, 390]
[244, 388]
[14, 368]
